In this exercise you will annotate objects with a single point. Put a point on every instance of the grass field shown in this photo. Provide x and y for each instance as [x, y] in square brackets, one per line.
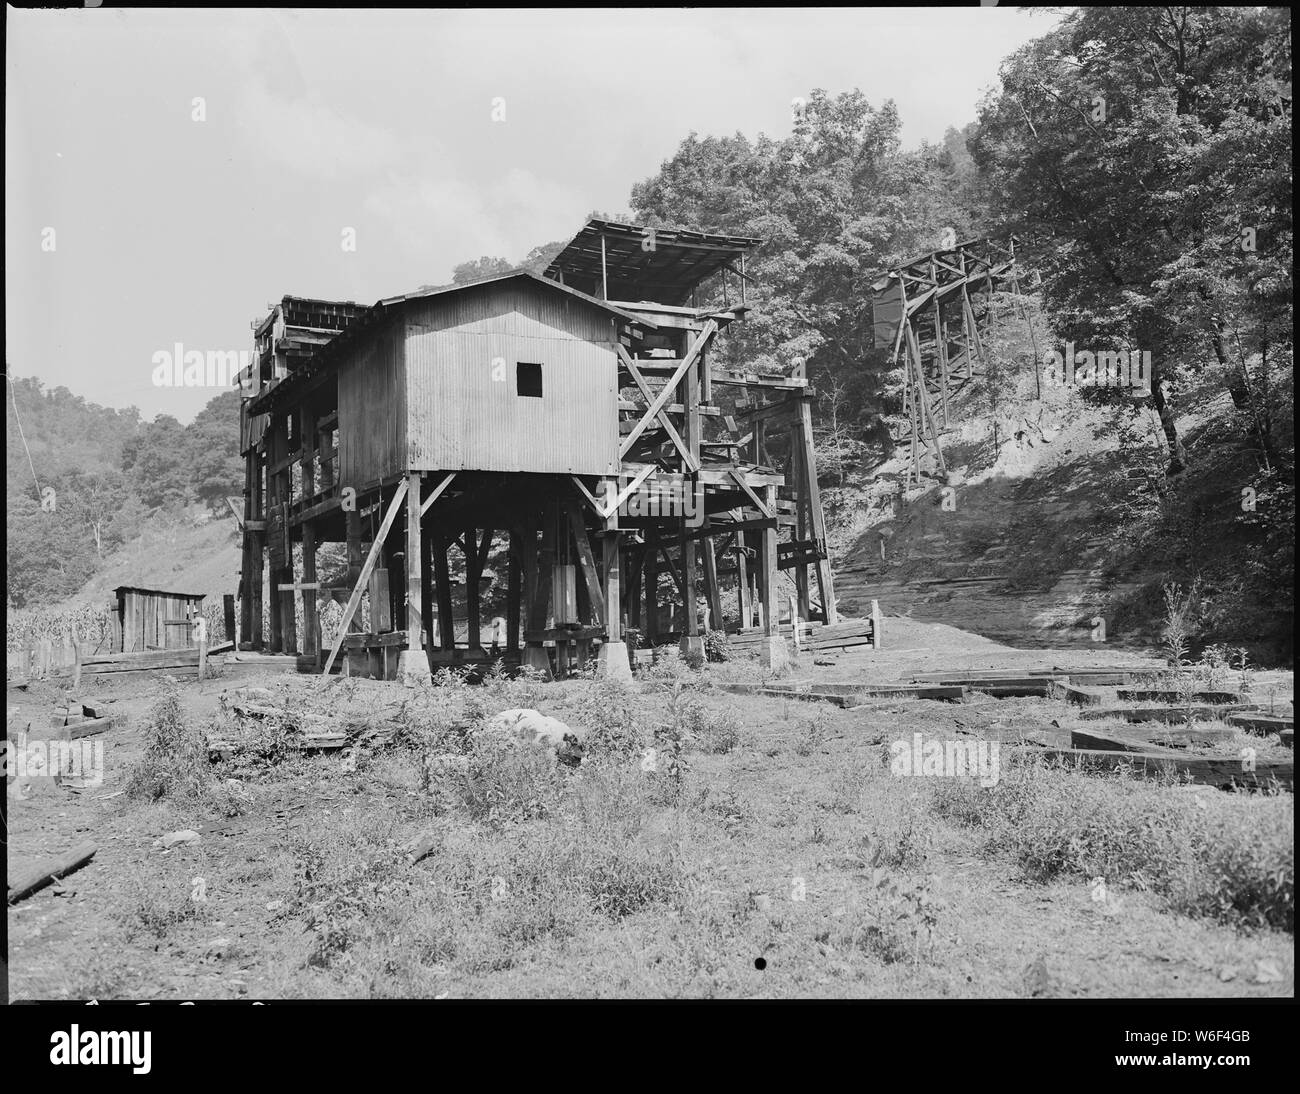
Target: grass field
[710, 845]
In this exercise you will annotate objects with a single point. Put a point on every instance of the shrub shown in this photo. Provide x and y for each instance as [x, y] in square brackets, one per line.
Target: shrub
[175, 762]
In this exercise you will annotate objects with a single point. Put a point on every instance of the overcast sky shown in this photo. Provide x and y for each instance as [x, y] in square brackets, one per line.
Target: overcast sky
[169, 229]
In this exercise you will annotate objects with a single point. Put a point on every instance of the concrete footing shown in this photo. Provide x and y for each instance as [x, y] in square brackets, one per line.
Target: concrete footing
[413, 667]
[774, 654]
[613, 662]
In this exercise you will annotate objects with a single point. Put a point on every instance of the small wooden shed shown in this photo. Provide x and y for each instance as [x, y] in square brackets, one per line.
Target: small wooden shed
[154, 619]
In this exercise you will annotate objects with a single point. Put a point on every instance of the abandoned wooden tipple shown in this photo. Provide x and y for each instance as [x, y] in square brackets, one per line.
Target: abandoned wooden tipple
[572, 432]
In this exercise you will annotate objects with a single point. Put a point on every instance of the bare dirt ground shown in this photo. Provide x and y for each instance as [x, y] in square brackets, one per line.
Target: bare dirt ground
[749, 875]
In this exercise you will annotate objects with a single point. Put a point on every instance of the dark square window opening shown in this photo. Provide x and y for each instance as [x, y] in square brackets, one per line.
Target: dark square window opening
[529, 378]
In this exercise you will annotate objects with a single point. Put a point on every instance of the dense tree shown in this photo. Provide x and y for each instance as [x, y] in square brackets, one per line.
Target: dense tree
[479, 267]
[1147, 153]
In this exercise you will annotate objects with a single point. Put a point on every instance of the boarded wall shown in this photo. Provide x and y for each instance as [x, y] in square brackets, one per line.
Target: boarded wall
[372, 410]
[465, 410]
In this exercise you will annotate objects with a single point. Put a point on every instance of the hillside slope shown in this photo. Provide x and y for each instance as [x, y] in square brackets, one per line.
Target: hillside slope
[1037, 535]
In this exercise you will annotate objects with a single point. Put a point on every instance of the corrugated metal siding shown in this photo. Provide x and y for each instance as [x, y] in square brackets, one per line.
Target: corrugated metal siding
[460, 418]
[372, 410]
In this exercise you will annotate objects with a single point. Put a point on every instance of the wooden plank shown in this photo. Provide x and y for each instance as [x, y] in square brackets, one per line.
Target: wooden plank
[1222, 771]
[375, 549]
[634, 370]
[74, 731]
[739, 478]
[586, 561]
[710, 329]
[1160, 714]
[26, 882]
[1259, 722]
[1166, 696]
[1085, 697]
[436, 493]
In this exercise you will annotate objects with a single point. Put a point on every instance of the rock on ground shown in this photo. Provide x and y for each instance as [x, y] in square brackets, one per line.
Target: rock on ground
[526, 726]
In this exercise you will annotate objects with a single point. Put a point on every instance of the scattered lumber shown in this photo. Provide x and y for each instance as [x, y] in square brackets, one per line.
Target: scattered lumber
[1170, 740]
[72, 731]
[35, 879]
[1081, 696]
[1225, 772]
[1144, 695]
[181, 662]
[1082, 677]
[1256, 721]
[853, 692]
[249, 661]
[1159, 714]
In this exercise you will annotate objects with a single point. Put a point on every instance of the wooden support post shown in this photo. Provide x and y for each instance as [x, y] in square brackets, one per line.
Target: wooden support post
[274, 534]
[712, 591]
[310, 617]
[228, 614]
[442, 581]
[257, 550]
[774, 653]
[691, 643]
[634, 557]
[651, 567]
[808, 462]
[743, 589]
[534, 652]
[427, 599]
[246, 579]
[473, 577]
[413, 663]
[798, 485]
[615, 662]
[310, 608]
[514, 579]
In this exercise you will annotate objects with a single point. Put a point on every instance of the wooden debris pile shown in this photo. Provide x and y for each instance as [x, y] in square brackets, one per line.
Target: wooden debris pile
[301, 718]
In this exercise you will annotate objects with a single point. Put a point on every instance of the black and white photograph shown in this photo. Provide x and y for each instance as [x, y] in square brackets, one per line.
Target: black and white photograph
[650, 504]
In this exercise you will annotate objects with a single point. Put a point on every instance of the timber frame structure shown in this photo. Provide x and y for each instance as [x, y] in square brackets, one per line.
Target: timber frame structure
[690, 494]
[935, 311]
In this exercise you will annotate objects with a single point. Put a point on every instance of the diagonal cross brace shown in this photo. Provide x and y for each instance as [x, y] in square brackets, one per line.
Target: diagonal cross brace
[661, 400]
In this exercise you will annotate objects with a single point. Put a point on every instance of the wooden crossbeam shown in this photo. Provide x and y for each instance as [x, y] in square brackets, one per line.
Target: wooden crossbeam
[688, 460]
[587, 562]
[625, 493]
[692, 355]
[755, 500]
[436, 493]
[354, 601]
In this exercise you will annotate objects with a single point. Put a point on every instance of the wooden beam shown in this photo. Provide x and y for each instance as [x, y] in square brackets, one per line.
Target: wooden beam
[414, 570]
[689, 460]
[436, 493]
[376, 548]
[710, 329]
[36, 878]
[586, 561]
[758, 502]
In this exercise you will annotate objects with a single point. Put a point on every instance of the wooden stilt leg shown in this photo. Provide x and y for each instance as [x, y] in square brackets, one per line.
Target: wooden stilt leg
[413, 664]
